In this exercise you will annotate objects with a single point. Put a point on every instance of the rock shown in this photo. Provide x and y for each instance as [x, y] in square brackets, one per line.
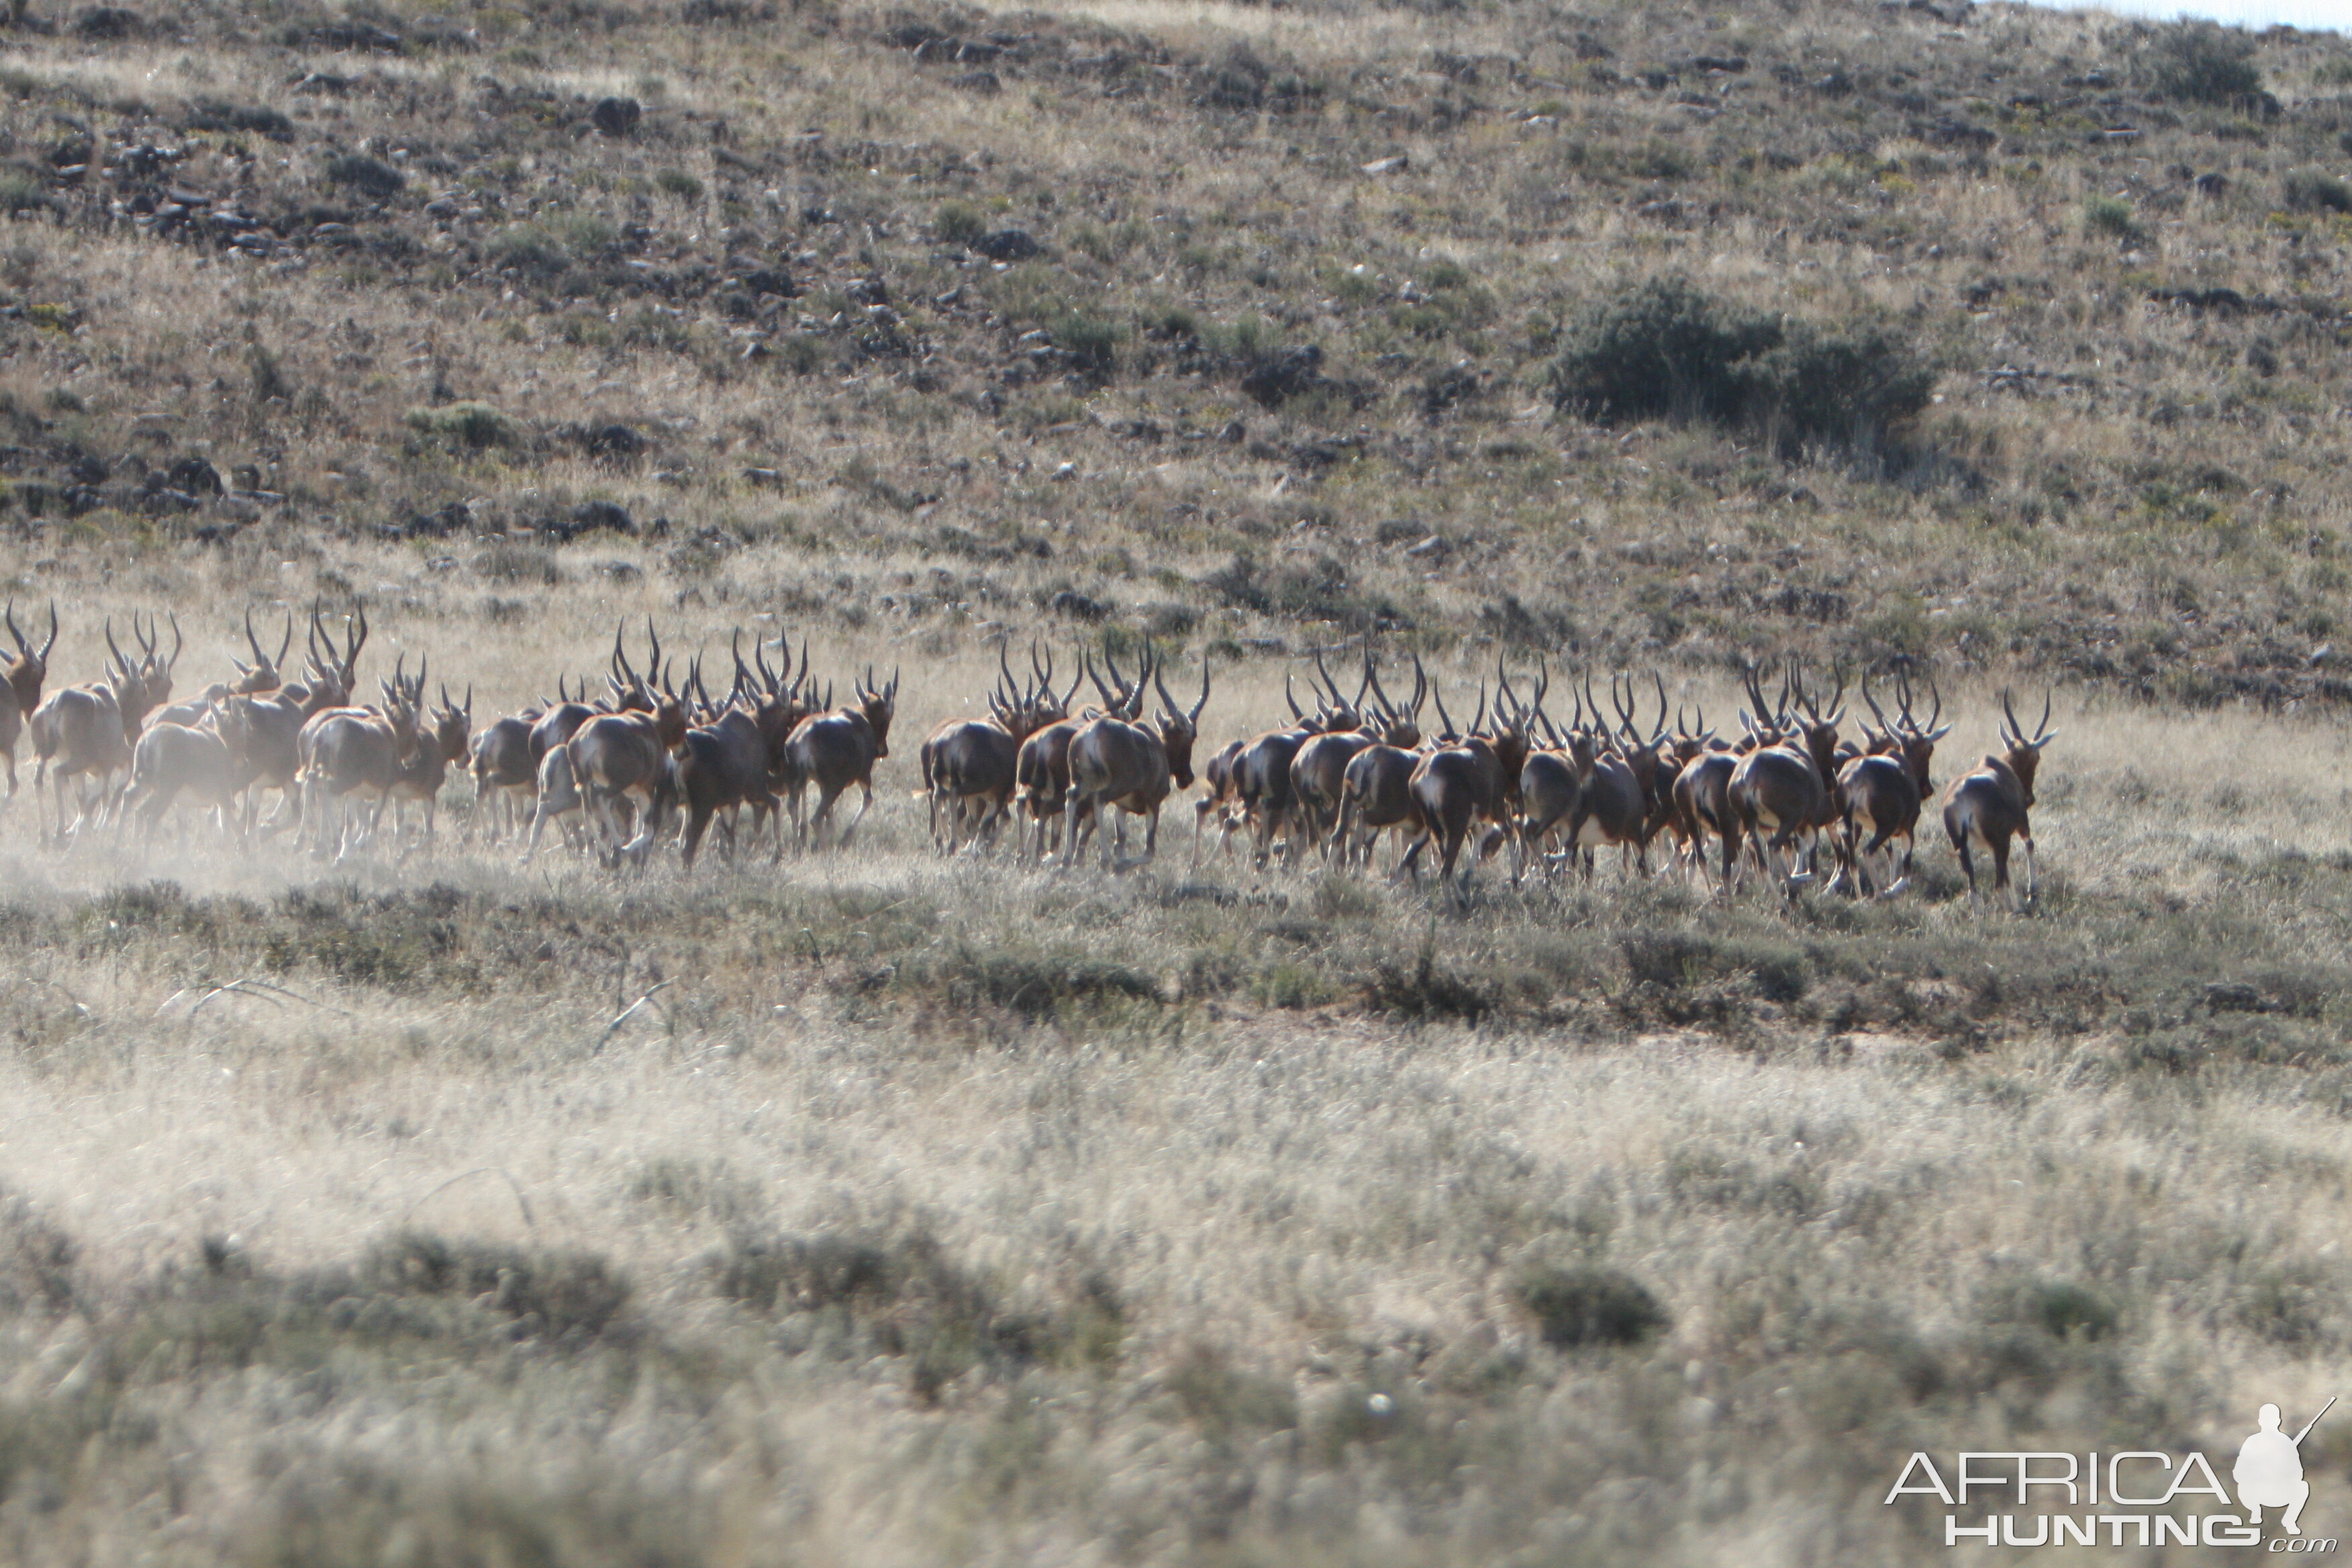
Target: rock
[1077, 606]
[1008, 244]
[195, 476]
[1432, 548]
[763, 479]
[616, 116]
[157, 502]
[1395, 166]
[593, 516]
[983, 82]
[771, 280]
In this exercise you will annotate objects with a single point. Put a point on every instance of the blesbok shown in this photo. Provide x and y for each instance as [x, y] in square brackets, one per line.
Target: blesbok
[1703, 789]
[1318, 769]
[204, 760]
[20, 686]
[1615, 784]
[1219, 796]
[837, 750]
[1879, 794]
[1780, 792]
[1042, 767]
[970, 767]
[1989, 806]
[1319, 772]
[622, 761]
[275, 720]
[444, 737]
[1132, 767]
[1452, 784]
[1551, 784]
[727, 763]
[1261, 783]
[356, 754]
[502, 769]
[265, 673]
[85, 732]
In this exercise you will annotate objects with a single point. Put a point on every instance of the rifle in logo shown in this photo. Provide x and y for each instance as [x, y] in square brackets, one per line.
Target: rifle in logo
[2269, 1471]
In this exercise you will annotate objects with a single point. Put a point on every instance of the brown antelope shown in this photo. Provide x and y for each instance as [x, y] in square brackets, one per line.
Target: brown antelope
[503, 773]
[1319, 773]
[1703, 788]
[85, 732]
[20, 686]
[1992, 805]
[1131, 766]
[1780, 792]
[622, 761]
[727, 762]
[264, 673]
[1879, 794]
[1261, 776]
[1219, 796]
[1376, 792]
[274, 721]
[442, 743]
[1318, 769]
[205, 760]
[1552, 786]
[834, 751]
[356, 753]
[1615, 785]
[1042, 767]
[970, 767]
[1452, 783]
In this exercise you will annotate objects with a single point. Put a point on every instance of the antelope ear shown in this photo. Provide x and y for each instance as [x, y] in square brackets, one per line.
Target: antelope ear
[1937, 734]
[2046, 740]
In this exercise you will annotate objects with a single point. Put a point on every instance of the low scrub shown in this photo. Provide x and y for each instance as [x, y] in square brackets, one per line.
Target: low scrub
[1664, 350]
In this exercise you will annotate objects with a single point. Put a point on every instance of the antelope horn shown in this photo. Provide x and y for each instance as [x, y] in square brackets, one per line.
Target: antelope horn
[1479, 722]
[1291, 697]
[1420, 685]
[122, 663]
[1445, 719]
[253, 642]
[285, 642]
[21, 648]
[1194, 716]
[52, 641]
[1879, 713]
[1160, 685]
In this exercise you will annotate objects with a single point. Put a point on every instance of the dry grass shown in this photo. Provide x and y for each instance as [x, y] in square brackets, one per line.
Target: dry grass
[952, 1212]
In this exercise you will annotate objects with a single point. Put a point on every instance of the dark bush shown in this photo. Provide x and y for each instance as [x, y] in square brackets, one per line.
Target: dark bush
[1575, 1307]
[2201, 62]
[370, 177]
[2308, 190]
[566, 1292]
[1665, 350]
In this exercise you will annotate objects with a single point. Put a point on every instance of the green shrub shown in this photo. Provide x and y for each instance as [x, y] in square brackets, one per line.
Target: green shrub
[1665, 350]
[2114, 217]
[959, 223]
[679, 183]
[1576, 1306]
[470, 425]
[2308, 190]
[2202, 62]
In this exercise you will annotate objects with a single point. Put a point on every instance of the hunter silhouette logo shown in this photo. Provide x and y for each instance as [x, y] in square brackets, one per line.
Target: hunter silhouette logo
[2135, 1497]
[2269, 1471]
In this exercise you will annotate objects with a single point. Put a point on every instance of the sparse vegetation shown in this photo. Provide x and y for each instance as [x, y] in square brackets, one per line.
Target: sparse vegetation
[877, 1207]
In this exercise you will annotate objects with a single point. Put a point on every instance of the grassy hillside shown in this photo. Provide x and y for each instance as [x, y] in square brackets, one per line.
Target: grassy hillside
[1283, 298]
[431, 1211]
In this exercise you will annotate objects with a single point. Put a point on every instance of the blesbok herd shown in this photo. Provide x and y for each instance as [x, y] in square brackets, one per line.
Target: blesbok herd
[1791, 800]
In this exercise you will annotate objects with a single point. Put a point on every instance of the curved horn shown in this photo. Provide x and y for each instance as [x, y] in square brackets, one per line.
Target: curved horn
[1194, 716]
[52, 641]
[1445, 719]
